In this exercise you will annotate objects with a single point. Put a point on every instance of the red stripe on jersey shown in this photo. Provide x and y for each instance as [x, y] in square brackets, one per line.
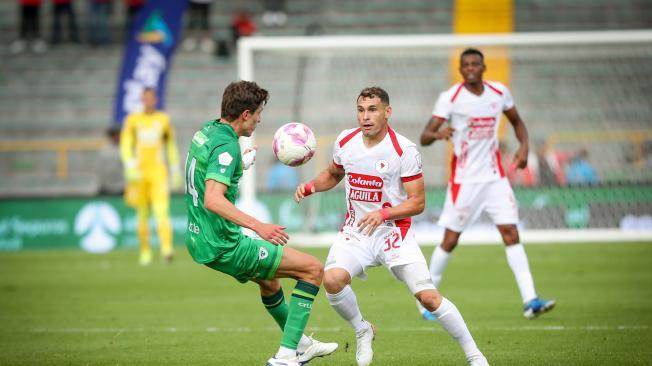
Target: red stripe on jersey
[409, 179]
[493, 88]
[392, 136]
[457, 92]
[338, 166]
[455, 187]
[499, 162]
[348, 137]
[404, 225]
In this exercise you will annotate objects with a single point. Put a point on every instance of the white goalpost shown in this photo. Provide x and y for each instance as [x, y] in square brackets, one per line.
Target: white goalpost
[563, 82]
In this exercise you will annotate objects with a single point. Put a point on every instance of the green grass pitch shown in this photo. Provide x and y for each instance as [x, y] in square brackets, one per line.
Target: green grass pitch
[71, 308]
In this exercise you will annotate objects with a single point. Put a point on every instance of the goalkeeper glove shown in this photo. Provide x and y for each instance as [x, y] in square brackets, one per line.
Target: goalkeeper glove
[132, 171]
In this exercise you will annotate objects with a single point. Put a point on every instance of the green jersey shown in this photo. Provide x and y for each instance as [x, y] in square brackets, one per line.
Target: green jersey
[214, 153]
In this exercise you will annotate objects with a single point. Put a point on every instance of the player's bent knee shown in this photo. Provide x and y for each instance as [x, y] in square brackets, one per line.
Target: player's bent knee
[430, 299]
[269, 287]
[335, 280]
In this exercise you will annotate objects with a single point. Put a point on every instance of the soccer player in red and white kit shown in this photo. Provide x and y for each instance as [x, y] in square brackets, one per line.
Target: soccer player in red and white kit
[384, 189]
[478, 183]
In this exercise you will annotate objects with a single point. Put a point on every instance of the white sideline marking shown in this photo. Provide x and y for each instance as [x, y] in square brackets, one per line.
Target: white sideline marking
[434, 328]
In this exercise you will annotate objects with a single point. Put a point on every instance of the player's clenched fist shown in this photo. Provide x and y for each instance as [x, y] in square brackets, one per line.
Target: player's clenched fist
[370, 222]
[304, 190]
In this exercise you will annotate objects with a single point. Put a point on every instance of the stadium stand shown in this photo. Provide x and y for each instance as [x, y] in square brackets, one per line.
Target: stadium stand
[66, 95]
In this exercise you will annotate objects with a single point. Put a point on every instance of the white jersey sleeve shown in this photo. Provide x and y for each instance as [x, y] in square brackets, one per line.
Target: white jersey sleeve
[411, 165]
[337, 148]
[443, 106]
[508, 100]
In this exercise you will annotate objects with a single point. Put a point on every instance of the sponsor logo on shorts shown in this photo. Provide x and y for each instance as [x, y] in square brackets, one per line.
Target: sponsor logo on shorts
[193, 228]
[365, 181]
[365, 196]
[262, 253]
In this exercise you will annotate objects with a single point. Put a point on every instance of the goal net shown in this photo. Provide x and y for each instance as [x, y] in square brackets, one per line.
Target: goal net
[584, 96]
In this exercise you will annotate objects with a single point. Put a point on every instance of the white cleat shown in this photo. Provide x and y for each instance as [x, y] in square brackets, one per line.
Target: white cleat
[363, 351]
[282, 362]
[316, 349]
[479, 360]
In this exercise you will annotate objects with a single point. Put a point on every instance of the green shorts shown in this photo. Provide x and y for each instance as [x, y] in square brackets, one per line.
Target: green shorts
[251, 259]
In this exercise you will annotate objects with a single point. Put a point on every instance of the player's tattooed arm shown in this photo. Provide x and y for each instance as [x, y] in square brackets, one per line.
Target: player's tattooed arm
[520, 158]
[432, 132]
[326, 180]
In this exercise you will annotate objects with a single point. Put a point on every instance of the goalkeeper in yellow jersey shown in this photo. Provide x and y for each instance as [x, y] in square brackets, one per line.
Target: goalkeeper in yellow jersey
[145, 139]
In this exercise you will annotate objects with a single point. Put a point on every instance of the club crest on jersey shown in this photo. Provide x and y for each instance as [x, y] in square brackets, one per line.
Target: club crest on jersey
[365, 181]
[365, 196]
[382, 166]
[262, 254]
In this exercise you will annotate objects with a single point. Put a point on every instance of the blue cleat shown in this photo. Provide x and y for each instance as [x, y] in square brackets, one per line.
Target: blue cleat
[537, 307]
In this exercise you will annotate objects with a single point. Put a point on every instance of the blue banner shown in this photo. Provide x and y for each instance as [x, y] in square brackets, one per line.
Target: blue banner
[148, 54]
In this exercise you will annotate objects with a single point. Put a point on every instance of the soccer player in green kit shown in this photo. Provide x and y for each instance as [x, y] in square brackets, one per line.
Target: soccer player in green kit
[214, 167]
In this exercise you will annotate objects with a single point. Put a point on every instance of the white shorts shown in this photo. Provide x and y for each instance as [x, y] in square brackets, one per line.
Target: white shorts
[356, 253]
[463, 207]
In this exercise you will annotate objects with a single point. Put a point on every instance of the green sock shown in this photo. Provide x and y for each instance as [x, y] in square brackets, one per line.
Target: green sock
[276, 307]
[299, 312]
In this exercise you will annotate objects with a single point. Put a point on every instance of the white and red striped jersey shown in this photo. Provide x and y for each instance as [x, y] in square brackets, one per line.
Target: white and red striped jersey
[475, 119]
[375, 176]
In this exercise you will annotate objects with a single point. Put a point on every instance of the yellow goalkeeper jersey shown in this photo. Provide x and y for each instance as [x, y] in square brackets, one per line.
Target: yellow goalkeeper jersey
[146, 137]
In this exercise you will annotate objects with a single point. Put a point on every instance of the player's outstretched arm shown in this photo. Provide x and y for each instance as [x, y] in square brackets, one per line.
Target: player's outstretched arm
[215, 201]
[326, 180]
[414, 205]
[520, 158]
[432, 132]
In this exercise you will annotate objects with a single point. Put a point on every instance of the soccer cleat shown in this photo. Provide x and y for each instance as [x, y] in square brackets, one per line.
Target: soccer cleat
[363, 351]
[316, 349]
[537, 307]
[167, 256]
[145, 258]
[282, 362]
[479, 360]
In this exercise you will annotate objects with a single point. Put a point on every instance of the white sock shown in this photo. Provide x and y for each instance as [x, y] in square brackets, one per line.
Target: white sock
[346, 304]
[517, 260]
[451, 320]
[438, 264]
[286, 353]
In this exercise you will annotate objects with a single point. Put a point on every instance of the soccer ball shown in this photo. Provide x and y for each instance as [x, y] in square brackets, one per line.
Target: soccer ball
[294, 144]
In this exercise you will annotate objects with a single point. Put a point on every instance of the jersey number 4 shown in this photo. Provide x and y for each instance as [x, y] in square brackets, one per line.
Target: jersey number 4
[190, 181]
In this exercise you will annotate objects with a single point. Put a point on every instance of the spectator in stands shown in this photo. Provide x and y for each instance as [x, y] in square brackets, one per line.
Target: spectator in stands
[61, 8]
[579, 171]
[554, 162]
[30, 30]
[281, 178]
[109, 166]
[199, 29]
[133, 8]
[98, 21]
[242, 26]
[275, 14]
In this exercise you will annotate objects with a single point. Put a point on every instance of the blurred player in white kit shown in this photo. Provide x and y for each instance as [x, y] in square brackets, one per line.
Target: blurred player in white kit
[384, 189]
[473, 109]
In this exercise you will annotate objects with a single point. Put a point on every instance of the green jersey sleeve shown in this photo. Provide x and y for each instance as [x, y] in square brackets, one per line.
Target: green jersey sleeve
[225, 163]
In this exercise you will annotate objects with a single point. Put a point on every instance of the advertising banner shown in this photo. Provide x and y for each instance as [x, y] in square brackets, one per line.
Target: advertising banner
[150, 45]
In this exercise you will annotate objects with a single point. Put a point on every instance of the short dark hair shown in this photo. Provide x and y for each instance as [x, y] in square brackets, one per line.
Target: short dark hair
[240, 96]
[374, 91]
[472, 51]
